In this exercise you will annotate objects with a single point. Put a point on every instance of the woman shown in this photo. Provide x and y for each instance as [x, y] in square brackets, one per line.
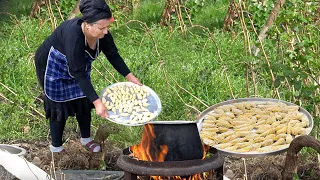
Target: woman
[63, 65]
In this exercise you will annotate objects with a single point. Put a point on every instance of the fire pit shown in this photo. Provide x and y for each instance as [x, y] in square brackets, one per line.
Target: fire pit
[171, 150]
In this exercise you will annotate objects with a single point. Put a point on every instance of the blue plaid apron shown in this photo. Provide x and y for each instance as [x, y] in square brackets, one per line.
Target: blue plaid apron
[59, 84]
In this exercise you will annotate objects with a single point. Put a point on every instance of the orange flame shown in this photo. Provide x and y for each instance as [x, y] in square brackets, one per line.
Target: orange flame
[147, 151]
[205, 150]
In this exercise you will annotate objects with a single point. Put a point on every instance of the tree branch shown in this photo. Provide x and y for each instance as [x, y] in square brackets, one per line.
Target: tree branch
[272, 17]
[74, 11]
[296, 145]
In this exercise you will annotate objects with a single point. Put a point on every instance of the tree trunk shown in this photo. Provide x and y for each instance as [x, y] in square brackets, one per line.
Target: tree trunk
[232, 13]
[36, 6]
[296, 145]
[169, 8]
[101, 137]
[74, 11]
[272, 17]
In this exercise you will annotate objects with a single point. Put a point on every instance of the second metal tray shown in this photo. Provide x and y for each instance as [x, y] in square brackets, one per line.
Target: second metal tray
[252, 154]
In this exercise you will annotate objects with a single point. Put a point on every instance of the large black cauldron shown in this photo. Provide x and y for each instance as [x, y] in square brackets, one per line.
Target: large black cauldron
[181, 137]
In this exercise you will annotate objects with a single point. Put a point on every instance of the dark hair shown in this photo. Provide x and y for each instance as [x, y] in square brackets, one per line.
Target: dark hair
[94, 10]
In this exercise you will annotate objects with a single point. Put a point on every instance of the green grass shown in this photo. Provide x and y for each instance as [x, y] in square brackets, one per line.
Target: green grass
[149, 11]
[212, 14]
[193, 65]
[191, 59]
[19, 8]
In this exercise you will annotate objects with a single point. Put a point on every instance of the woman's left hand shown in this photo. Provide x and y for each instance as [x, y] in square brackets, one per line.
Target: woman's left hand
[131, 78]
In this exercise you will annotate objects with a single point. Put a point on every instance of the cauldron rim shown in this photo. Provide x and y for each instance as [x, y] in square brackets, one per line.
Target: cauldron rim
[173, 122]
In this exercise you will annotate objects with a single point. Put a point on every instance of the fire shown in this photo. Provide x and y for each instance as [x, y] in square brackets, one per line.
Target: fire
[147, 151]
[205, 150]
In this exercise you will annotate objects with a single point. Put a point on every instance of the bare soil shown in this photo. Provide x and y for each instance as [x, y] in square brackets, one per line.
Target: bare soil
[78, 158]
[270, 167]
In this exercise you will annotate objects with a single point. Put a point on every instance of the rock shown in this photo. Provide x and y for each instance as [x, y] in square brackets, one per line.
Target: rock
[28, 157]
[36, 161]
[229, 174]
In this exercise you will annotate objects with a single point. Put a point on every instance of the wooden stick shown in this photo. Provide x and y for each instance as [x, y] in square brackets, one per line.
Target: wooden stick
[6, 98]
[61, 176]
[51, 175]
[148, 31]
[247, 81]
[18, 106]
[267, 60]
[181, 21]
[37, 112]
[204, 47]
[55, 2]
[245, 31]
[218, 52]
[54, 171]
[101, 74]
[211, 37]
[42, 23]
[255, 89]
[9, 89]
[17, 22]
[166, 78]
[108, 71]
[229, 84]
[189, 17]
[245, 176]
[189, 92]
[52, 18]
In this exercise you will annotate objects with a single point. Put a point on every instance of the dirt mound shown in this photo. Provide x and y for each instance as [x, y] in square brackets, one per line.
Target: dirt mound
[76, 157]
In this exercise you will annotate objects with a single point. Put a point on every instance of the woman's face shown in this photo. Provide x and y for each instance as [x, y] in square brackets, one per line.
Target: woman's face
[99, 28]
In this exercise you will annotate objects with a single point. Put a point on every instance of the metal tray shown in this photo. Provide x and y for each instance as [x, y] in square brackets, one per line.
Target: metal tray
[252, 154]
[153, 100]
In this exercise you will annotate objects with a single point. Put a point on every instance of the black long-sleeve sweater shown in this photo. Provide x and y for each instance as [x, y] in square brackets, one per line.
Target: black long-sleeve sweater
[69, 39]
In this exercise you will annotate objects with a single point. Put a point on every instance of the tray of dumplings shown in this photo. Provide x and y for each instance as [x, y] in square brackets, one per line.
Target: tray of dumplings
[253, 127]
[130, 104]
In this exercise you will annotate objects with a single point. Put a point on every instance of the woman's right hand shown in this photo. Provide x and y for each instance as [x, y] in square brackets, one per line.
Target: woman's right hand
[101, 109]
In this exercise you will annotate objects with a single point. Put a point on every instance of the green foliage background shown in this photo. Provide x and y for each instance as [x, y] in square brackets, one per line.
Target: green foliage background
[190, 58]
